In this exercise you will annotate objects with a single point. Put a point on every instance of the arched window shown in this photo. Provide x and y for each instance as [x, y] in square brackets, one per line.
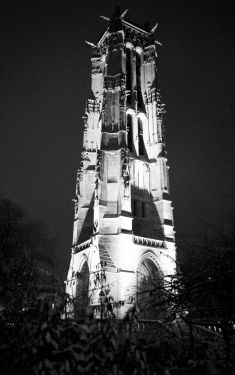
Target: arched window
[128, 74]
[138, 81]
[141, 137]
[130, 132]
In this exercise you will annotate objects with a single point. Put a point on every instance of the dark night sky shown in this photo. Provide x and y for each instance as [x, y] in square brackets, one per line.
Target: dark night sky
[45, 82]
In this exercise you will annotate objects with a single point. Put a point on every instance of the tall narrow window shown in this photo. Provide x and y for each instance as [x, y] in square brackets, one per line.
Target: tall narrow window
[135, 207]
[141, 138]
[144, 209]
[128, 74]
[138, 81]
[129, 132]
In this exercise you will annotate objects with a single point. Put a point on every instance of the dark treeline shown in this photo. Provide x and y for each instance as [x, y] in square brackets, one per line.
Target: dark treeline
[38, 336]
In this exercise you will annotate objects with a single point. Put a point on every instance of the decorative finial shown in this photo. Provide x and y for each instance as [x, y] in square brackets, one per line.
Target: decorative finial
[123, 14]
[106, 18]
[90, 43]
[153, 29]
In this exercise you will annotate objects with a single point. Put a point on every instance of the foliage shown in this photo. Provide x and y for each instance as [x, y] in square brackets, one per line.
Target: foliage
[204, 285]
[35, 339]
[40, 342]
[26, 270]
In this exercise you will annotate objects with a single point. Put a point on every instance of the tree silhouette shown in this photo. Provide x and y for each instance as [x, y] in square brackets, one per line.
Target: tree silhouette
[26, 268]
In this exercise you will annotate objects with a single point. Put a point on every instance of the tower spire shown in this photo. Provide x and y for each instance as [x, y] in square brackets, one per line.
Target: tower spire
[123, 233]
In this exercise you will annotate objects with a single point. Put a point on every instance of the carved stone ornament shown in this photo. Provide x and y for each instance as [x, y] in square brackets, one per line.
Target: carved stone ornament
[96, 64]
[117, 81]
[115, 40]
[79, 175]
[149, 54]
[95, 227]
[125, 168]
[97, 188]
[136, 38]
[96, 52]
[98, 162]
[160, 106]
[150, 95]
[85, 156]
[93, 106]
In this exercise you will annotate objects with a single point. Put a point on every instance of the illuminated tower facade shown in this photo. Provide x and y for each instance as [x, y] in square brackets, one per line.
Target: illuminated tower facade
[123, 236]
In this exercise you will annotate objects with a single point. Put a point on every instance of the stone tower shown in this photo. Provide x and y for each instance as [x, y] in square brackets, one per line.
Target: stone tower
[123, 236]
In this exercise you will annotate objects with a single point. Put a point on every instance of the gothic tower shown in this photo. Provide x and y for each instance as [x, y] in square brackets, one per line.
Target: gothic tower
[123, 236]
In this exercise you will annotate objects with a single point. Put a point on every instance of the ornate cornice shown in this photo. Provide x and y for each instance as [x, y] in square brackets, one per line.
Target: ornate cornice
[147, 241]
[80, 247]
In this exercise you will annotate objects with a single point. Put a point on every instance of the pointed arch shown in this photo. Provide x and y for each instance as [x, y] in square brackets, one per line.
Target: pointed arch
[83, 259]
[142, 127]
[149, 281]
[132, 131]
[82, 287]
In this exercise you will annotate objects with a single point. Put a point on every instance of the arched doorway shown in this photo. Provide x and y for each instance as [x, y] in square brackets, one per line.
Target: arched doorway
[149, 288]
[82, 290]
